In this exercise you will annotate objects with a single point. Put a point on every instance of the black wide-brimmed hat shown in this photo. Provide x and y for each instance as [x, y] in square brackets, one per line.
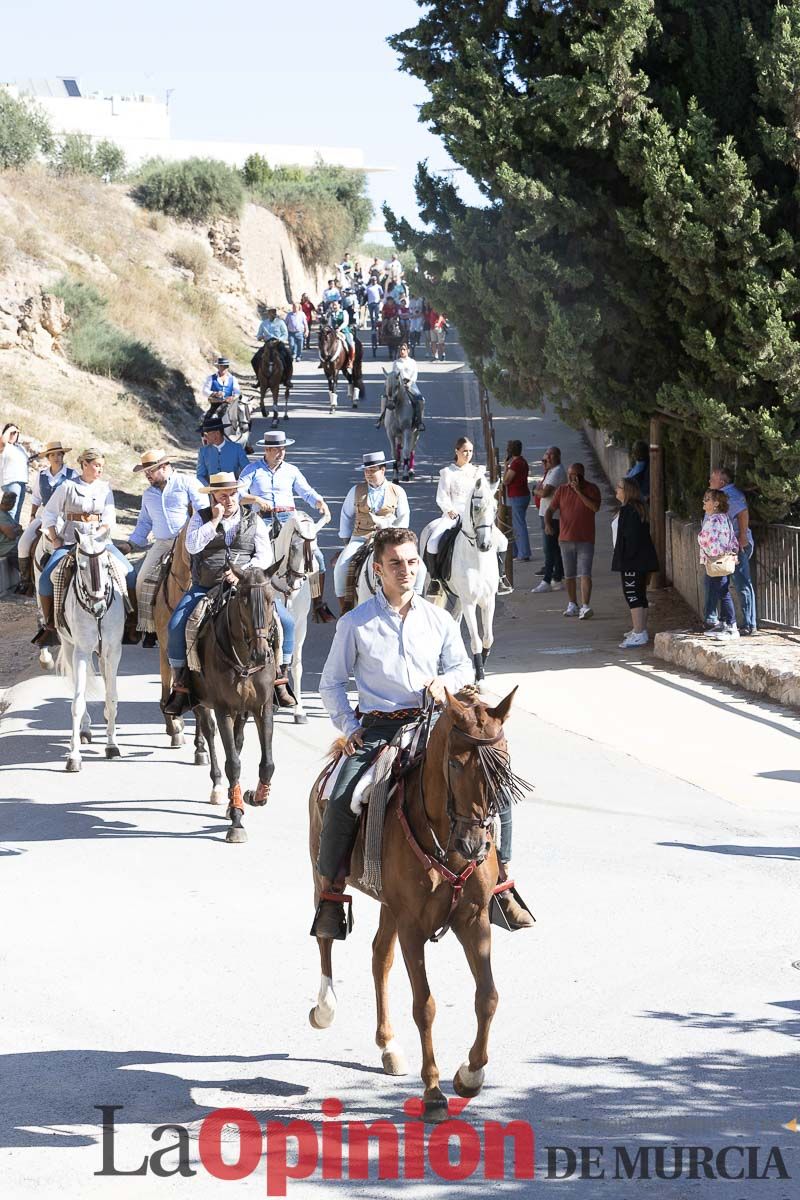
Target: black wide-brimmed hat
[212, 423]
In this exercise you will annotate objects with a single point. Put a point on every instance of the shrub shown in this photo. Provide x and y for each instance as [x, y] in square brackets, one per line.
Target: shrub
[76, 154]
[98, 346]
[198, 189]
[324, 207]
[192, 256]
[256, 171]
[24, 132]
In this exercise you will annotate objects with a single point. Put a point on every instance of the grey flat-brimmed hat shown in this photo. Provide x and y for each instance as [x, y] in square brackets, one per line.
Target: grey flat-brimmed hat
[375, 458]
[276, 439]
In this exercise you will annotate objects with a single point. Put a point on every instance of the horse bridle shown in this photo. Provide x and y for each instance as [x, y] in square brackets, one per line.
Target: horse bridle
[260, 629]
[290, 575]
[84, 598]
[473, 541]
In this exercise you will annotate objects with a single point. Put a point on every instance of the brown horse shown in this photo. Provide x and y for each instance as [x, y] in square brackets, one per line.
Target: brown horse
[270, 375]
[237, 679]
[176, 582]
[439, 869]
[333, 359]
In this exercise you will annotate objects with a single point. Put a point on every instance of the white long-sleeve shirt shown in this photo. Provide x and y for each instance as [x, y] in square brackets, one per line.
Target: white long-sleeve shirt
[455, 487]
[407, 369]
[375, 498]
[77, 496]
[199, 533]
[13, 465]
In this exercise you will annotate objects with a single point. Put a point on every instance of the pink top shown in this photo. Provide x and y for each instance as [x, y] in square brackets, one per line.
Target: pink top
[717, 536]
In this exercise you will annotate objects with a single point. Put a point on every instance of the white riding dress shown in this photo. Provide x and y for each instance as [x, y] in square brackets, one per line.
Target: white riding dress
[452, 495]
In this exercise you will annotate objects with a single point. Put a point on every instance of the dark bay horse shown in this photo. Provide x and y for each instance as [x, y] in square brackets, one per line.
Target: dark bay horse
[271, 375]
[333, 359]
[237, 679]
[439, 869]
[392, 335]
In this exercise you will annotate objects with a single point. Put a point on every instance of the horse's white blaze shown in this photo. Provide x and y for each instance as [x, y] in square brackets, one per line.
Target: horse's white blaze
[325, 1009]
[471, 1079]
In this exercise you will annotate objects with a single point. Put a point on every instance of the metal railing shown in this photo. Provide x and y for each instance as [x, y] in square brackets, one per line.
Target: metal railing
[776, 576]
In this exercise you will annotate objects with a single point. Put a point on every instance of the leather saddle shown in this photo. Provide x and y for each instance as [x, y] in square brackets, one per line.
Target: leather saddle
[440, 564]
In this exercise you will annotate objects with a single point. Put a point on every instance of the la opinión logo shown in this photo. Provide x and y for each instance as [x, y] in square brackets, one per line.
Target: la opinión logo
[333, 1149]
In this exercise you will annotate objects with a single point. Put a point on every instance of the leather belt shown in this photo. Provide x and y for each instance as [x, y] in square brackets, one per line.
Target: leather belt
[401, 714]
[82, 516]
[280, 508]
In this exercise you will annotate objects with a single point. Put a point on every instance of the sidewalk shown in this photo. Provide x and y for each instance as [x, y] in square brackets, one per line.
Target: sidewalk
[572, 674]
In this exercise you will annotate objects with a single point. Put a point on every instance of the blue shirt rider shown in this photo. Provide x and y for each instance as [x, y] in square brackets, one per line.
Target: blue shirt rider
[218, 453]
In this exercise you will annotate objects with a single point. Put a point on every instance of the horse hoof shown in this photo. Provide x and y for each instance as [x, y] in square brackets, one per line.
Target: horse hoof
[176, 740]
[316, 1023]
[331, 411]
[436, 1110]
[410, 475]
[73, 765]
[394, 1062]
[200, 759]
[300, 719]
[217, 795]
[112, 752]
[236, 834]
[468, 1083]
[86, 737]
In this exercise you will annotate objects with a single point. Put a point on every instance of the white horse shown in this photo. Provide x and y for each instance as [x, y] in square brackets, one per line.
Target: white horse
[475, 573]
[398, 422]
[295, 547]
[237, 420]
[95, 612]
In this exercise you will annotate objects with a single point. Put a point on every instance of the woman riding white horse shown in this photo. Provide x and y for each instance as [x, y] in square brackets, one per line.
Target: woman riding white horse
[456, 482]
[83, 503]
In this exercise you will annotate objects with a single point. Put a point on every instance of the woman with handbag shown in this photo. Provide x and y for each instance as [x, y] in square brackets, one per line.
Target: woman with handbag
[719, 550]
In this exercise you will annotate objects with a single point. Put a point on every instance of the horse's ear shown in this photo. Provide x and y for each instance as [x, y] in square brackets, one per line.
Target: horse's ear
[385, 370]
[454, 705]
[270, 571]
[501, 711]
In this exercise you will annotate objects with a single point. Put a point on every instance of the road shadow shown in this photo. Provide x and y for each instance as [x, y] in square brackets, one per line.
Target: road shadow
[787, 853]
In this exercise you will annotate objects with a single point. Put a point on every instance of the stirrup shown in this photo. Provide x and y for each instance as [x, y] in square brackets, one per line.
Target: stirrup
[346, 919]
[497, 914]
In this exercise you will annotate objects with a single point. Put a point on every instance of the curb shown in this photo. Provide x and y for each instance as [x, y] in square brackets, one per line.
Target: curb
[749, 666]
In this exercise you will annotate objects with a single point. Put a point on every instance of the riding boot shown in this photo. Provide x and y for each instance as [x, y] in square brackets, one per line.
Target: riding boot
[131, 634]
[179, 698]
[330, 920]
[25, 587]
[47, 635]
[516, 913]
[434, 585]
[504, 588]
[321, 613]
[282, 694]
[149, 640]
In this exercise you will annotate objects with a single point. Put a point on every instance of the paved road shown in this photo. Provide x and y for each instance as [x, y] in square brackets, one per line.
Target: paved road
[147, 964]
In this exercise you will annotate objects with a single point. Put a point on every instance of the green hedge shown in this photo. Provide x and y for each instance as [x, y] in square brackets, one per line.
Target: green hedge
[198, 189]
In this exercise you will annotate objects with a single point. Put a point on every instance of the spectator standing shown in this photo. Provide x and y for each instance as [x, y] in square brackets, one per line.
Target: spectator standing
[297, 327]
[374, 298]
[554, 477]
[634, 557]
[640, 471]
[394, 270]
[13, 467]
[10, 531]
[577, 502]
[719, 548]
[739, 515]
[438, 332]
[308, 310]
[515, 478]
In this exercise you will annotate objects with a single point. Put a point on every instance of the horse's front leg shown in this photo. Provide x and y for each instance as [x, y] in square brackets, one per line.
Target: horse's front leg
[266, 766]
[476, 938]
[80, 666]
[412, 943]
[300, 630]
[392, 1056]
[235, 812]
[332, 385]
[206, 732]
[110, 667]
[487, 626]
[471, 619]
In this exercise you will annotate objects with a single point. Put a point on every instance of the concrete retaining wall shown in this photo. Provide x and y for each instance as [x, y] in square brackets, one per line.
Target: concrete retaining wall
[614, 460]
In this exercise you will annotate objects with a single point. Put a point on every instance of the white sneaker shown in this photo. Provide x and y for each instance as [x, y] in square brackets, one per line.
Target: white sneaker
[541, 587]
[557, 586]
[713, 630]
[571, 610]
[585, 613]
[635, 639]
[729, 634]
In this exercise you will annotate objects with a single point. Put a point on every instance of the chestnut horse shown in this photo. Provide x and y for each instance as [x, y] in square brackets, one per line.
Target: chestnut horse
[439, 869]
[176, 582]
[269, 371]
[333, 359]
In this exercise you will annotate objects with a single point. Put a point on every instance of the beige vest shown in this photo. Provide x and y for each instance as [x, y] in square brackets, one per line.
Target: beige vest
[365, 525]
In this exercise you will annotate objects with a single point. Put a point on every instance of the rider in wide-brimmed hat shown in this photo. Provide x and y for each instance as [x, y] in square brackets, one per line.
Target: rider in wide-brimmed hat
[221, 386]
[223, 533]
[218, 452]
[168, 501]
[46, 482]
[373, 504]
[278, 482]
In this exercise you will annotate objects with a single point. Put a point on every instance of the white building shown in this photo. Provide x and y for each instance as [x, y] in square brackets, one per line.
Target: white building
[139, 124]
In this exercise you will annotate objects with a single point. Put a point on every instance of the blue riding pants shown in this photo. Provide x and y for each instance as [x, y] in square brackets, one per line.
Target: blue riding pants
[46, 582]
[176, 641]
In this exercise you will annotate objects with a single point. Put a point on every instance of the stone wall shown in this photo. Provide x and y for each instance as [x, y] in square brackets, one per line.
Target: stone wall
[614, 460]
